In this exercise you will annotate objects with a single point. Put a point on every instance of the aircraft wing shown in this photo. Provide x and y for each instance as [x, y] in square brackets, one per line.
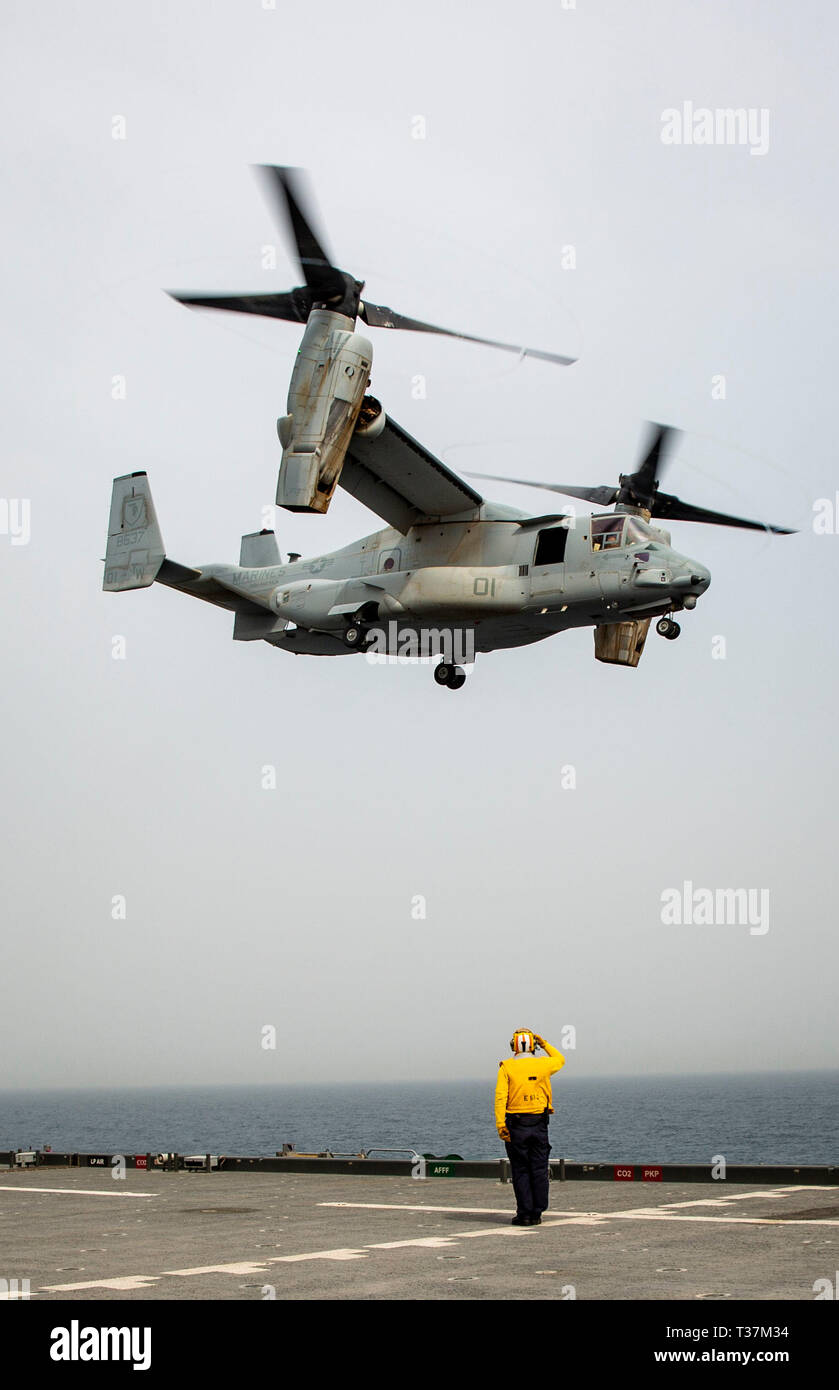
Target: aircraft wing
[398, 479]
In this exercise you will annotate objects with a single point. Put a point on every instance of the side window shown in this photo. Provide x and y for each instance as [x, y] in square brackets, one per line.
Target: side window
[607, 532]
[550, 547]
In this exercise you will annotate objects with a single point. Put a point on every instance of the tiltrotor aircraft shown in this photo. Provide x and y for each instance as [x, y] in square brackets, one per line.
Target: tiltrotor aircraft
[450, 574]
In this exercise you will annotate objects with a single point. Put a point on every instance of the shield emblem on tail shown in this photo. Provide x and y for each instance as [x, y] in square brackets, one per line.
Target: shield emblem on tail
[134, 513]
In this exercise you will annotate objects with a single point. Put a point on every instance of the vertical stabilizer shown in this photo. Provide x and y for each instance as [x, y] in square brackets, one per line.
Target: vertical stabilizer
[258, 550]
[135, 545]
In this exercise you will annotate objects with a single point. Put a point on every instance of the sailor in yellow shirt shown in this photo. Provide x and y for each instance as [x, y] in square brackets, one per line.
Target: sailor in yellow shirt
[523, 1103]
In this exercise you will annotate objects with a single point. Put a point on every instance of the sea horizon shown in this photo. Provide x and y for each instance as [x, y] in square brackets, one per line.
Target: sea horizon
[749, 1117]
[566, 1080]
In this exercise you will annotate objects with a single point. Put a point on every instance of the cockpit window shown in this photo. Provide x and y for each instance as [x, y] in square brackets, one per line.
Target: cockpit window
[637, 531]
[607, 532]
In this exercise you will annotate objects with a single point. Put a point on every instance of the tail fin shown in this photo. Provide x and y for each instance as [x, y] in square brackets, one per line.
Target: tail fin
[135, 546]
[258, 549]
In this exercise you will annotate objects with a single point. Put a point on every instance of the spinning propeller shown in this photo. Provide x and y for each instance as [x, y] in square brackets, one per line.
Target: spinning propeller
[640, 490]
[326, 286]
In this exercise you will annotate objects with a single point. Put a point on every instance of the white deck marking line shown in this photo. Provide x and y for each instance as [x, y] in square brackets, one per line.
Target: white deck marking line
[123, 1283]
[423, 1242]
[656, 1214]
[776, 1193]
[77, 1191]
[503, 1211]
[566, 1218]
[128, 1282]
[468, 1211]
[139, 1281]
[360, 1254]
[236, 1267]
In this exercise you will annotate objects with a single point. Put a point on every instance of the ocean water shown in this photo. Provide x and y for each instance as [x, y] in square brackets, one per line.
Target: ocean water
[791, 1117]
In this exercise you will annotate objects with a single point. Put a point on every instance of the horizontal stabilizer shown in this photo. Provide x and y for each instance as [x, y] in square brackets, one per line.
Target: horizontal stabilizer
[254, 627]
[135, 546]
[259, 549]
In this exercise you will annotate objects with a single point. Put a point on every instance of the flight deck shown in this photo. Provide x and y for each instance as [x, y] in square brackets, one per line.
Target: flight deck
[304, 1233]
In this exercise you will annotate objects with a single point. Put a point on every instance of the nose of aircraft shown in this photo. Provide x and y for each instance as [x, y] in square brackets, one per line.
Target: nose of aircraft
[699, 576]
[688, 577]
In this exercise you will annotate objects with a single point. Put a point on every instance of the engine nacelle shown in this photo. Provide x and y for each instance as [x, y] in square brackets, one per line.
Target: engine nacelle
[371, 419]
[330, 377]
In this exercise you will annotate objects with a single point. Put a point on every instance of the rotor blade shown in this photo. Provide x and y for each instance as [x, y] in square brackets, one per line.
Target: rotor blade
[378, 316]
[286, 190]
[601, 496]
[663, 439]
[640, 486]
[669, 508]
[294, 305]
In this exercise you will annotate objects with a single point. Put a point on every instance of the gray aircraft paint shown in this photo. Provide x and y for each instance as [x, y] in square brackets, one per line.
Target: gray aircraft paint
[476, 569]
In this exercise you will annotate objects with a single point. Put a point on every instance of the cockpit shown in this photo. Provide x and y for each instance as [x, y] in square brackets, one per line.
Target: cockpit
[613, 531]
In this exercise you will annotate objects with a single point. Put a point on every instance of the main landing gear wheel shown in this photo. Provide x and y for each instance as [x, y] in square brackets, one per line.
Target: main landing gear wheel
[665, 627]
[355, 636]
[453, 677]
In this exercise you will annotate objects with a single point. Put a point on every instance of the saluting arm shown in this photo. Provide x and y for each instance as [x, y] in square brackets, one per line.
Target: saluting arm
[553, 1052]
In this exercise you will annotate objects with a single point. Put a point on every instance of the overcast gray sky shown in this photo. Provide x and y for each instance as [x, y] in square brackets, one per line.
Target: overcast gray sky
[142, 777]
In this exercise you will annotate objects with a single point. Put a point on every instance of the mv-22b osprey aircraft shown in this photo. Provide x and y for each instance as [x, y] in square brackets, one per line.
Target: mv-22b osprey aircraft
[451, 574]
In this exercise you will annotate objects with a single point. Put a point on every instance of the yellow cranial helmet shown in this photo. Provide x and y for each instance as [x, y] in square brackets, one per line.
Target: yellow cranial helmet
[523, 1041]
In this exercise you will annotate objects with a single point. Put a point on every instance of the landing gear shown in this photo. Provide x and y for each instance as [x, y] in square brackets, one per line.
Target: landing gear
[358, 634]
[355, 636]
[453, 677]
[665, 627]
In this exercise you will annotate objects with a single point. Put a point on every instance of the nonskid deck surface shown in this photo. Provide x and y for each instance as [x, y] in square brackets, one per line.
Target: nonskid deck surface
[78, 1234]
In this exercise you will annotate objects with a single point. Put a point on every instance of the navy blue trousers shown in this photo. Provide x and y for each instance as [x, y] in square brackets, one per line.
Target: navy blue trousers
[528, 1149]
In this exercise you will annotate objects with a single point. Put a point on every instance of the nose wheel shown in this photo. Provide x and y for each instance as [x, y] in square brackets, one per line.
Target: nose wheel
[453, 677]
[665, 627]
